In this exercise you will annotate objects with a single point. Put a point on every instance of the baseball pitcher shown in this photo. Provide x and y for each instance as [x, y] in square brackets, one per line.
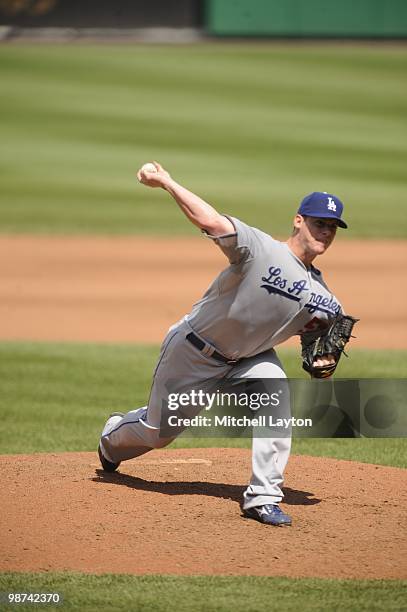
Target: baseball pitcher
[268, 292]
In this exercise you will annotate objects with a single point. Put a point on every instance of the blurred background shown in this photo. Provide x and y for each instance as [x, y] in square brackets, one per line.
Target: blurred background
[255, 104]
[251, 104]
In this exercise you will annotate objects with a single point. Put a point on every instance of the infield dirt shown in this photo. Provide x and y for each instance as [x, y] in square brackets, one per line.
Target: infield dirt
[133, 289]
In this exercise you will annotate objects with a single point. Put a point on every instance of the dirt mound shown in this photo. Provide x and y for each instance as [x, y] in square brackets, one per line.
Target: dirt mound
[177, 512]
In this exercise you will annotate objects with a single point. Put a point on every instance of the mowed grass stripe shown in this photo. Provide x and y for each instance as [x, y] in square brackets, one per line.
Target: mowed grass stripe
[56, 397]
[251, 128]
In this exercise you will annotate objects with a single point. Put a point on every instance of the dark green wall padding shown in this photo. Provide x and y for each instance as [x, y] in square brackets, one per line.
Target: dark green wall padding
[308, 18]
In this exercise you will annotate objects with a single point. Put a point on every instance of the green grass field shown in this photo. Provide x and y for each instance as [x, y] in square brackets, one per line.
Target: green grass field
[250, 128]
[209, 594]
[60, 395]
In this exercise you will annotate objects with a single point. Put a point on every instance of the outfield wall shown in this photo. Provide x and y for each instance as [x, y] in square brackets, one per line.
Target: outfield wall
[271, 18]
[308, 18]
[100, 13]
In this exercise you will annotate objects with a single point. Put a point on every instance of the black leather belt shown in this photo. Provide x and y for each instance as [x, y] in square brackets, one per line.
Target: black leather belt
[200, 345]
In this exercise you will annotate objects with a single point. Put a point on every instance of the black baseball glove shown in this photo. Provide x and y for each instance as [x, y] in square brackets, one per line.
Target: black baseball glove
[331, 341]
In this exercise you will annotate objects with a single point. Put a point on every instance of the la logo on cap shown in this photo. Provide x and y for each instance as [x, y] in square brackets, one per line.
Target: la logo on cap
[331, 204]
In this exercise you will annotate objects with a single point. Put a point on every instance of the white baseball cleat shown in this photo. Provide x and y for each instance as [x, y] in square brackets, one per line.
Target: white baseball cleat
[107, 465]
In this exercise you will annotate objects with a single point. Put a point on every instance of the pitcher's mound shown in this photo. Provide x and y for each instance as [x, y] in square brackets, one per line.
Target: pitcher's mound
[177, 512]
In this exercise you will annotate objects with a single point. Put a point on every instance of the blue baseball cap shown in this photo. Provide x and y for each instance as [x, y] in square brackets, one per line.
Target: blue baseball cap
[324, 205]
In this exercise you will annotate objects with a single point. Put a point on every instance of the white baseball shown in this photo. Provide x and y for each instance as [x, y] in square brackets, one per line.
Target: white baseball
[148, 167]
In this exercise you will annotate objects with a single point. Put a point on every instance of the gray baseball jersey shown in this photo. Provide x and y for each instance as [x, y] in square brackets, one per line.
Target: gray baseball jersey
[263, 298]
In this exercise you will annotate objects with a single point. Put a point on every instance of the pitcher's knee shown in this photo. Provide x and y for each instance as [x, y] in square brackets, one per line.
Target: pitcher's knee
[161, 442]
[134, 436]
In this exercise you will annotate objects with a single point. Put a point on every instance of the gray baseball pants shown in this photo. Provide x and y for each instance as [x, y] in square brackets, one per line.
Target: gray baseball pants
[181, 365]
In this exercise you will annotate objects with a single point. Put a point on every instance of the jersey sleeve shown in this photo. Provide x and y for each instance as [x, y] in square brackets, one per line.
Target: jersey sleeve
[239, 246]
